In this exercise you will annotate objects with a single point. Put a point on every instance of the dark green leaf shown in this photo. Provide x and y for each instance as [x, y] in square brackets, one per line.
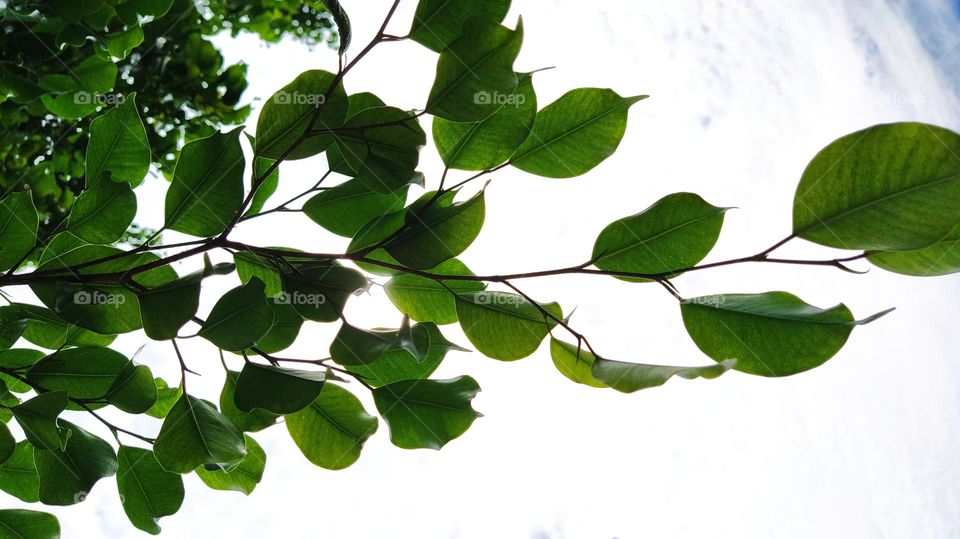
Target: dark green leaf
[243, 477]
[18, 358]
[134, 390]
[332, 430]
[504, 326]
[147, 491]
[268, 186]
[893, 187]
[18, 475]
[26, 524]
[355, 346]
[347, 207]
[267, 270]
[286, 116]
[239, 318]
[46, 329]
[575, 133]
[103, 213]
[18, 228]
[676, 232]
[941, 258]
[12, 326]
[488, 143]
[194, 433]
[252, 421]
[38, 419]
[425, 299]
[427, 413]
[397, 365]
[207, 186]
[437, 232]
[286, 326]
[165, 309]
[118, 145]
[476, 72]
[66, 477]
[84, 373]
[319, 290]
[7, 443]
[275, 389]
[769, 334]
[438, 23]
[382, 144]
[342, 21]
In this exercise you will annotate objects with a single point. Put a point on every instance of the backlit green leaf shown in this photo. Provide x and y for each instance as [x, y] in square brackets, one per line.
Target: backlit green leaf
[118, 150]
[147, 491]
[23, 523]
[18, 228]
[504, 326]
[194, 433]
[347, 207]
[243, 477]
[275, 389]
[438, 23]
[103, 213]
[286, 116]
[425, 299]
[427, 413]
[18, 474]
[68, 476]
[332, 430]
[239, 318]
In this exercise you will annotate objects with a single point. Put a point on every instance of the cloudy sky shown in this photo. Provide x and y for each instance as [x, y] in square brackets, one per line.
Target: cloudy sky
[743, 94]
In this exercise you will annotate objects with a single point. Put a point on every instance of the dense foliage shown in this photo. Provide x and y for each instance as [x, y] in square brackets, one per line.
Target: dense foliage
[889, 194]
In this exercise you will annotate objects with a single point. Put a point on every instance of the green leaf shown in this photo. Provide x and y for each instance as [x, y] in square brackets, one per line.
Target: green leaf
[319, 290]
[239, 318]
[438, 23]
[47, 330]
[18, 228]
[769, 334]
[427, 413]
[118, 150]
[426, 300]
[167, 397]
[286, 327]
[165, 309]
[332, 430]
[243, 477]
[267, 187]
[941, 258]
[103, 213]
[267, 270]
[28, 524]
[674, 233]
[575, 133]
[147, 491]
[66, 477]
[207, 186]
[382, 144]
[355, 346]
[12, 326]
[38, 418]
[342, 21]
[194, 433]
[19, 358]
[286, 116]
[7, 443]
[504, 326]
[121, 44]
[475, 71]
[252, 421]
[437, 232]
[574, 362]
[630, 377]
[84, 373]
[18, 474]
[488, 143]
[134, 390]
[344, 209]
[397, 364]
[275, 389]
[893, 187]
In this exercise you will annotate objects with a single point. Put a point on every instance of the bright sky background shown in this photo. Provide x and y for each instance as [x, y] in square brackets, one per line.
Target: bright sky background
[743, 94]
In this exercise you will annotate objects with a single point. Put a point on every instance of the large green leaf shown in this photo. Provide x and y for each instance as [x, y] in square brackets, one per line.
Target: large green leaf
[84, 373]
[676, 232]
[485, 144]
[398, 364]
[18, 474]
[134, 390]
[239, 318]
[889, 187]
[252, 421]
[147, 491]
[427, 413]
[941, 258]
[267, 270]
[427, 300]
[475, 73]
[194, 433]
[286, 116]
[356, 346]
[504, 326]
[38, 417]
[276, 389]
[382, 144]
[769, 334]
[438, 23]
[18, 228]
[118, 149]
[319, 290]
[437, 232]
[27, 524]
[66, 477]
[165, 309]
[575, 133]
[47, 330]
[243, 477]
[347, 207]
[287, 323]
[207, 186]
[332, 430]
[102, 214]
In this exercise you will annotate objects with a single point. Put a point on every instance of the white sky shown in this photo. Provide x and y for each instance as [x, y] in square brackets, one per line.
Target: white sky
[743, 95]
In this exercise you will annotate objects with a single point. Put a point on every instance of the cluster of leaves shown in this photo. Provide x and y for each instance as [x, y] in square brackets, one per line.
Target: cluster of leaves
[889, 193]
[64, 60]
